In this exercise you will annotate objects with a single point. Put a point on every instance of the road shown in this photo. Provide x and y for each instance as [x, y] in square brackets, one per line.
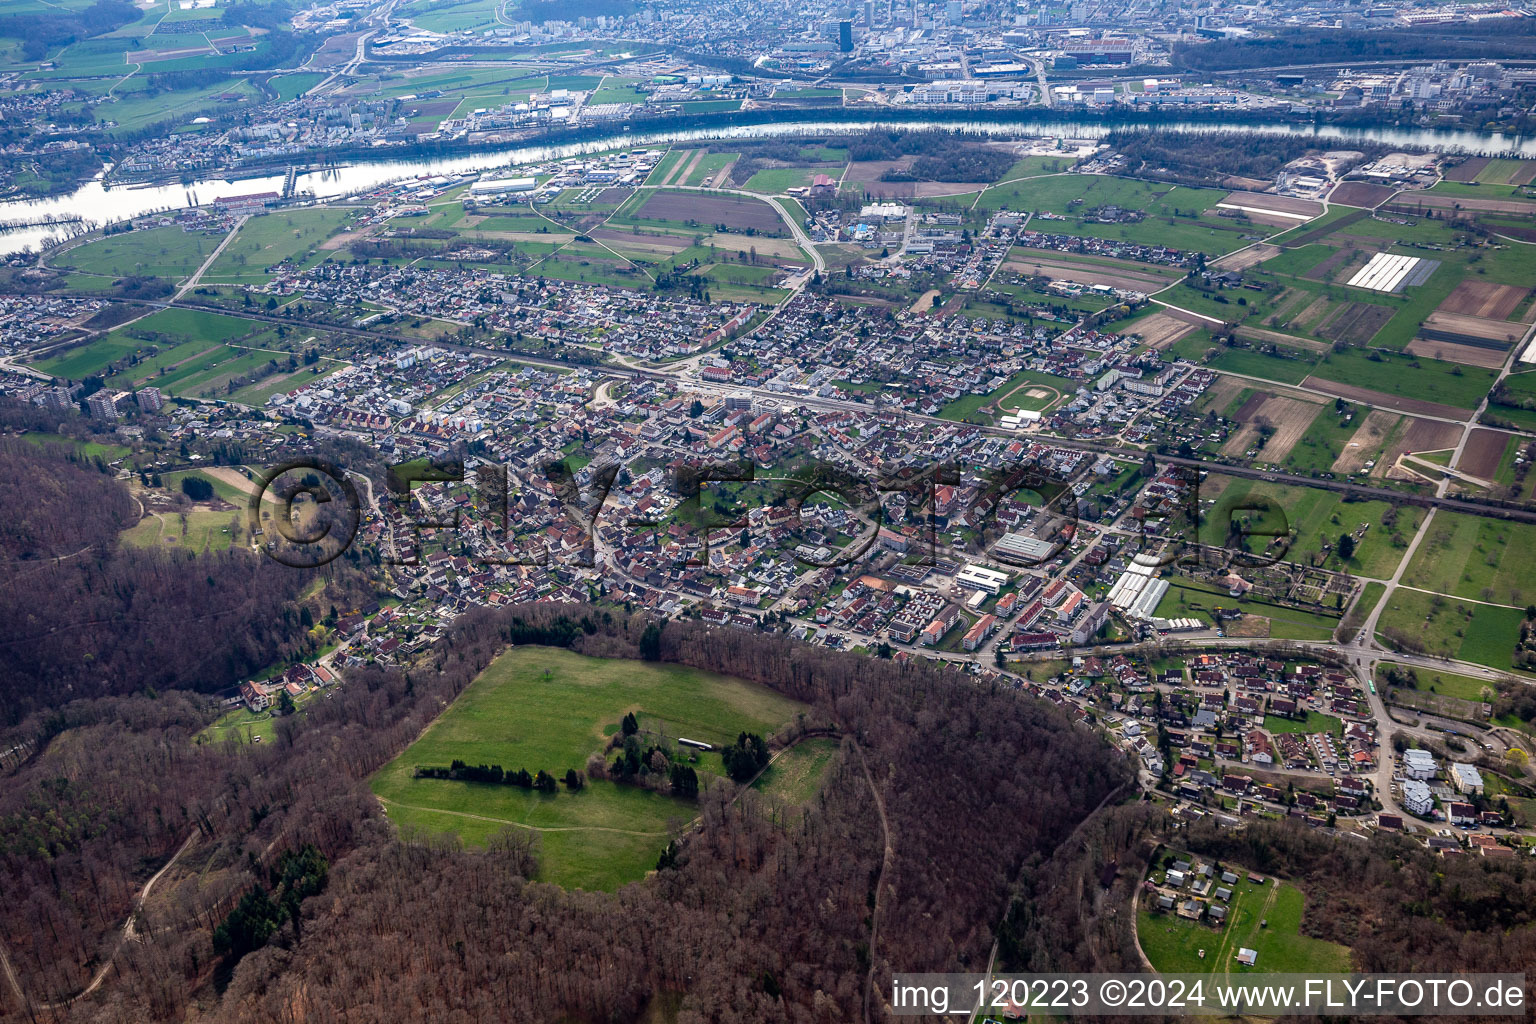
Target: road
[373, 20]
[197, 275]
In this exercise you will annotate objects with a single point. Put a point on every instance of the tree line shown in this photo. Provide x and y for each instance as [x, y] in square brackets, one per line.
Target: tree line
[495, 775]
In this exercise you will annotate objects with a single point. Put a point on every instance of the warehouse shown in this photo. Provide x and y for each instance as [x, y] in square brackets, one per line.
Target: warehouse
[1023, 548]
[502, 186]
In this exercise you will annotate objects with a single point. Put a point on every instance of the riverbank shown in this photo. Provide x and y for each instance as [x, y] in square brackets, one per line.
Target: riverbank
[96, 202]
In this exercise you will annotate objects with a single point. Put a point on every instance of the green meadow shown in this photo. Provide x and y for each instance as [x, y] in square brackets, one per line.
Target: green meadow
[545, 708]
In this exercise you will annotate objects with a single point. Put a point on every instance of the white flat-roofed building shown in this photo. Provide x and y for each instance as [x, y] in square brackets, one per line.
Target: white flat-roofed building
[502, 186]
[1390, 272]
[978, 577]
[1417, 799]
[884, 212]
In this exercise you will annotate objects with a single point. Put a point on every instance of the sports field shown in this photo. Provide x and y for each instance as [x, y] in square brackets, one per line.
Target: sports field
[545, 708]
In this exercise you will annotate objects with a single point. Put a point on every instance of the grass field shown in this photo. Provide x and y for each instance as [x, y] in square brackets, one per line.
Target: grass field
[270, 239]
[167, 252]
[1173, 945]
[168, 330]
[543, 708]
[1406, 376]
[1314, 722]
[1446, 627]
[242, 725]
[90, 449]
[777, 179]
[291, 86]
[1476, 557]
[796, 776]
[1316, 519]
[204, 530]
[1447, 683]
[226, 491]
[1187, 598]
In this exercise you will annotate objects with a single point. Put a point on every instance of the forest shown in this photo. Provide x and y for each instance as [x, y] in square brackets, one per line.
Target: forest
[770, 915]
[1488, 40]
[40, 33]
[1206, 158]
[939, 155]
[84, 616]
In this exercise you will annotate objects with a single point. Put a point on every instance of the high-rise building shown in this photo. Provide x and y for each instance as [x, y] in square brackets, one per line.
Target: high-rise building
[869, 13]
[55, 398]
[103, 405]
[955, 12]
[845, 36]
[150, 399]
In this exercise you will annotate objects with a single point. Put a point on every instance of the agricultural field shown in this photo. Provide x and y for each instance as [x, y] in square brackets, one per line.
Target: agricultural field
[167, 329]
[1418, 379]
[1271, 426]
[1176, 216]
[132, 110]
[1505, 454]
[1057, 266]
[295, 85]
[452, 16]
[1178, 946]
[549, 709]
[693, 210]
[774, 180]
[1343, 439]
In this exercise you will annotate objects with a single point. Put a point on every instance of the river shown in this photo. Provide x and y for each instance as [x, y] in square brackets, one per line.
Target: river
[94, 202]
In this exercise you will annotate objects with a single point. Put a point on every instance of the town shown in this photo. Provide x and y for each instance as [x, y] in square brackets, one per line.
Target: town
[652, 512]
